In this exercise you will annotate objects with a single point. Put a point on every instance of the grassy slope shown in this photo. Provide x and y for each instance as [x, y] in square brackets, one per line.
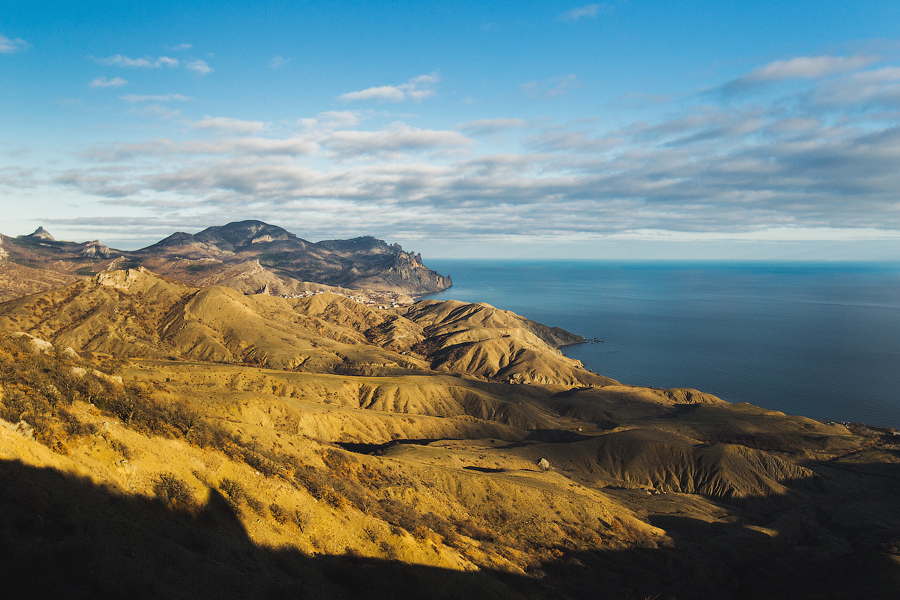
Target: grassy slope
[238, 480]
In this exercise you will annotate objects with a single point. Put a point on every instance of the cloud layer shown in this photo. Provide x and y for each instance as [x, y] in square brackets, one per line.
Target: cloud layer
[819, 155]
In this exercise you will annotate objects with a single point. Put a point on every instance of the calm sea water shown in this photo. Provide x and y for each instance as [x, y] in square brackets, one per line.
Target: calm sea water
[815, 339]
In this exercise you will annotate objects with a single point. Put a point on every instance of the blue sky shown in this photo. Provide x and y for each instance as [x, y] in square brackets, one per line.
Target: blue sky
[642, 129]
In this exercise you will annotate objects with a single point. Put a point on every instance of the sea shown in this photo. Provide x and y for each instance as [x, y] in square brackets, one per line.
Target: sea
[818, 339]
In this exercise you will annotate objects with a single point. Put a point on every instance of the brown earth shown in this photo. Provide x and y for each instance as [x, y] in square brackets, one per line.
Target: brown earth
[317, 447]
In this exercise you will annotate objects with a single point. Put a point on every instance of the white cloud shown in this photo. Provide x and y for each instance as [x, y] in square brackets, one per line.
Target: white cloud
[550, 88]
[416, 89]
[165, 61]
[876, 87]
[137, 98]
[397, 137]
[809, 67]
[198, 66]
[588, 10]
[491, 126]
[382, 93]
[180, 47]
[333, 119]
[103, 82]
[141, 63]
[799, 68]
[278, 61]
[228, 124]
[817, 158]
[8, 46]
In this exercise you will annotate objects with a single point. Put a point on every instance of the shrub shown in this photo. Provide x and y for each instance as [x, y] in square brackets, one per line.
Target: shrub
[470, 528]
[280, 515]
[232, 490]
[174, 493]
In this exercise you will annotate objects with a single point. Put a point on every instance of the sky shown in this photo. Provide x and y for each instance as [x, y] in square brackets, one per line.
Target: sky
[533, 129]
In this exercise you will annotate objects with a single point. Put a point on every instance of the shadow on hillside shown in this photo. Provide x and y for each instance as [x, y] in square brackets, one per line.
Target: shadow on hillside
[66, 537]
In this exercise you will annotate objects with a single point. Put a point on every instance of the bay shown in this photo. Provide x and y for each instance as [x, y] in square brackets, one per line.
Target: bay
[815, 339]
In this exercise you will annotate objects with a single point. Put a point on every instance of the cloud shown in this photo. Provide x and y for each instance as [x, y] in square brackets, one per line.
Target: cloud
[278, 61]
[229, 125]
[18, 177]
[333, 119]
[588, 10]
[180, 47]
[572, 141]
[416, 89]
[397, 137]
[809, 67]
[103, 82]
[865, 89]
[382, 93]
[801, 67]
[137, 98]
[8, 46]
[491, 126]
[139, 63]
[101, 184]
[198, 66]
[119, 60]
[550, 88]
[819, 155]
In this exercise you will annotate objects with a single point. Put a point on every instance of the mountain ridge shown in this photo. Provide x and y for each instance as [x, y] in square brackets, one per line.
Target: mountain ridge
[285, 264]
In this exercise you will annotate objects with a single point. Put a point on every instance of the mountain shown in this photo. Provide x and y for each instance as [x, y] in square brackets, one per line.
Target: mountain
[167, 440]
[249, 256]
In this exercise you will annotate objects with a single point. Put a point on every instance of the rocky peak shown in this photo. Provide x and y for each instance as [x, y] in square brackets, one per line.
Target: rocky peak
[125, 279]
[40, 234]
[96, 250]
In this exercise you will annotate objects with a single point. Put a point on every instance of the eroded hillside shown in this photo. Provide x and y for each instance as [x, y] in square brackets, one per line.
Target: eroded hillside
[165, 440]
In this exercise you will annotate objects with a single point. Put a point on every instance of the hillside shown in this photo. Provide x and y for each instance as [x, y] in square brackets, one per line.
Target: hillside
[165, 440]
[250, 256]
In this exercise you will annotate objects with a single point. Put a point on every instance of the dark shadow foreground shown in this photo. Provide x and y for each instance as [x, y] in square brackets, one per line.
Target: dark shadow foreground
[65, 537]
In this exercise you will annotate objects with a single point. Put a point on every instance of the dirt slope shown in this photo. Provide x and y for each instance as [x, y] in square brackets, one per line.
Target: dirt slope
[317, 447]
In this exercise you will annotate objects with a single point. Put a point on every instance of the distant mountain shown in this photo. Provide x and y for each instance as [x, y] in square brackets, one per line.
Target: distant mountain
[250, 256]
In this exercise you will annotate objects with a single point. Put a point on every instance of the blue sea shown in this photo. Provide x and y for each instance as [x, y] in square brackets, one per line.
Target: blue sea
[814, 339]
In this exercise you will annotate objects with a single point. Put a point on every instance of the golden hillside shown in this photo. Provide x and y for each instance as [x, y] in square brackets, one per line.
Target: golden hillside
[161, 440]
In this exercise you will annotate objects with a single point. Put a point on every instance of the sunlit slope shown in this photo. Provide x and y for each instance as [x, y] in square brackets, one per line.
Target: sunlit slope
[334, 431]
[494, 343]
[136, 313]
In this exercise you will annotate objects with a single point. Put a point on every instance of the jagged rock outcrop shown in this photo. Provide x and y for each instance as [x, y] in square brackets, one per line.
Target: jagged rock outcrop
[96, 250]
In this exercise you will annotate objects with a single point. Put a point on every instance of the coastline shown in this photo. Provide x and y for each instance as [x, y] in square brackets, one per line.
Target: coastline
[816, 339]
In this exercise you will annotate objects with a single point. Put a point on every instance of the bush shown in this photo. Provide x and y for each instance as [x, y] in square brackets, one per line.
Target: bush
[232, 490]
[280, 515]
[139, 410]
[174, 493]
[236, 495]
